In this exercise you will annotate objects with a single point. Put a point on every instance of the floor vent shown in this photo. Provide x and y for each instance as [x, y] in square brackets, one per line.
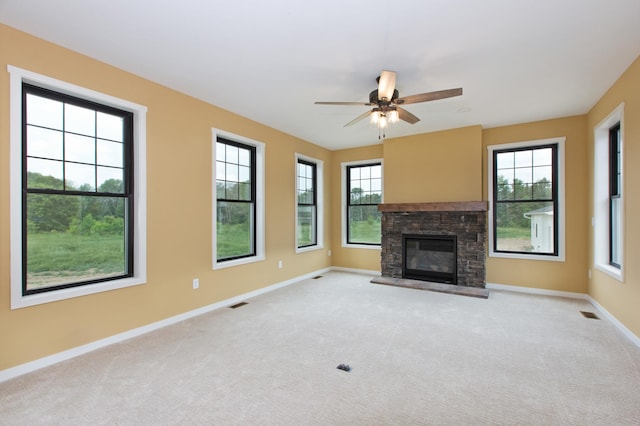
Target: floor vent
[237, 305]
[590, 315]
[317, 277]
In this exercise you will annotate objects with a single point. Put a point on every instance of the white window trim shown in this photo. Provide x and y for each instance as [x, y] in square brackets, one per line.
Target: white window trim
[17, 77]
[319, 204]
[561, 199]
[343, 202]
[600, 221]
[260, 200]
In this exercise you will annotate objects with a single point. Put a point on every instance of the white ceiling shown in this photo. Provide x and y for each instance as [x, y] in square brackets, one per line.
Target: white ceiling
[269, 60]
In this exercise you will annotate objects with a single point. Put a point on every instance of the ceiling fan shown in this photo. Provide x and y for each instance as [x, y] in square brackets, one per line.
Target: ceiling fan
[386, 102]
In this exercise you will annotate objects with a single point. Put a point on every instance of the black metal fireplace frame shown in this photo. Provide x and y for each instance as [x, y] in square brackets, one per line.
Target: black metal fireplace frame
[432, 276]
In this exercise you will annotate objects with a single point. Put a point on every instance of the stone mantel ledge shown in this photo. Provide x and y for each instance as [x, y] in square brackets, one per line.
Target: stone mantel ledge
[455, 206]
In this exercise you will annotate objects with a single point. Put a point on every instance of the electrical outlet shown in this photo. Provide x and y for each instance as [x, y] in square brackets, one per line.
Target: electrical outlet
[589, 273]
[280, 264]
[329, 253]
[196, 283]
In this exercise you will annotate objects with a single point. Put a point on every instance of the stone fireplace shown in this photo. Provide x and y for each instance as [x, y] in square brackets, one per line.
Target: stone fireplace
[443, 243]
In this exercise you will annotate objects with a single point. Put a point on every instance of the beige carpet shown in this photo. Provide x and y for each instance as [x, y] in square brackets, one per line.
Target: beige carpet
[417, 357]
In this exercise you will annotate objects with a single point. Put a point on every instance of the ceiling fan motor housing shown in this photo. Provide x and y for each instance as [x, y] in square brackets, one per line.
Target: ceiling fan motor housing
[373, 97]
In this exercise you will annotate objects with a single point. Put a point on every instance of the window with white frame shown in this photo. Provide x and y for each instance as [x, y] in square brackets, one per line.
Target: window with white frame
[362, 192]
[526, 192]
[77, 191]
[309, 203]
[238, 233]
[608, 185]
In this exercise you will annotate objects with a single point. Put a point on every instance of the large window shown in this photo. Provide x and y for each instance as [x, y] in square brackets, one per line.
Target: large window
[526, 199]
[608, 218]
[307, 203]
[238, 235]
[363, 194]
[77, 191]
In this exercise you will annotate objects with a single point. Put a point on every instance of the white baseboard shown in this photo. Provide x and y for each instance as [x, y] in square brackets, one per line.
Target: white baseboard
[355, 271]
[540, 291]
[47, 361]
[624, 330]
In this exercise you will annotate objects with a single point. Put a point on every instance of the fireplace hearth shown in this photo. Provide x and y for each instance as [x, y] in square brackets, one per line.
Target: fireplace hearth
[445, 242]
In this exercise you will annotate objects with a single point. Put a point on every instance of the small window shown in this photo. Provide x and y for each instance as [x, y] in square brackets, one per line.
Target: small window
[363, 194]
[77, 191]
[307, 203]
[525, 189]
[615, 196]
[238, 200]
[608, 184]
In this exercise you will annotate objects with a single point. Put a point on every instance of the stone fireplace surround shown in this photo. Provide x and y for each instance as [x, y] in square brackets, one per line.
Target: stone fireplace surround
[466, 219]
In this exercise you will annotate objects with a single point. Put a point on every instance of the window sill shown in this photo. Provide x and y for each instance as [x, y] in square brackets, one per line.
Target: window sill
[236, 262]
[362, 246]
[309, 248]
[611, 271]
[18, 301]
[559, 258]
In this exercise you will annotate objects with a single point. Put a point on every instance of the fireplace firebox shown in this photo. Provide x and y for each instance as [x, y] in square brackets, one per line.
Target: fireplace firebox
[430, 258]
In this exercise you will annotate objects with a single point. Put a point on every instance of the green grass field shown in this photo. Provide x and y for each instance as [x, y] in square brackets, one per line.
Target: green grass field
[59, 258]
[364, 231]
[233, 240]
[514, 232]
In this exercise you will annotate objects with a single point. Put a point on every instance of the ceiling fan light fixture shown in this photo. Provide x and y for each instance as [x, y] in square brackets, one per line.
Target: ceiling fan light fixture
[394, 117]
[382, 121]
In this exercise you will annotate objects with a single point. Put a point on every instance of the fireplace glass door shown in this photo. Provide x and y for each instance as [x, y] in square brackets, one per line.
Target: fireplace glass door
[430, 258]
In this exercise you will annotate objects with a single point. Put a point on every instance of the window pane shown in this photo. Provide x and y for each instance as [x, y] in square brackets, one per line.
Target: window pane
[504, 160]
[110, 179]
[79, 120]
[615, 232]
[110, 153]
[364, 225]
[110, 127]
[232, 154]
[221, 150]
[44, 112]
[306, 225]
[74, 239]
[523, 158]
[44, 143]
[523, 174]
[244, 157]
[80, 176]
[44, 174]
[543, 157]
[234, 229]
[244, 174]
[525, 227]
[80, 149]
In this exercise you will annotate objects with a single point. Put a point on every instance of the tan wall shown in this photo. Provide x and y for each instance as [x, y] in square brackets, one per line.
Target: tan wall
[434, 167]
[179, 210]
[570, 275]
[356, 258]
[621, 299]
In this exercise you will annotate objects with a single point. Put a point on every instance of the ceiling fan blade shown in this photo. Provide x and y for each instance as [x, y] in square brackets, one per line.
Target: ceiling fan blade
[430, 96]
[358, 118]
[343, 103]
[405, 115]
[386, 85]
